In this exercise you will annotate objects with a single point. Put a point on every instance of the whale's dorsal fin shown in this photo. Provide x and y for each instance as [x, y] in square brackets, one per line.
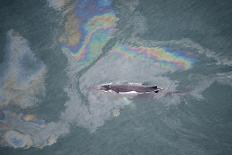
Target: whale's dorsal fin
[154, 87]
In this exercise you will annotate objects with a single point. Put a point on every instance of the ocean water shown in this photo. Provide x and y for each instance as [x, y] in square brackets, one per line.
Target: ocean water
[55, 53]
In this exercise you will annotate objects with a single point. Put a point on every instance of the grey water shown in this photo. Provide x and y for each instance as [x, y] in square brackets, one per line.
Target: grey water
[191, 127]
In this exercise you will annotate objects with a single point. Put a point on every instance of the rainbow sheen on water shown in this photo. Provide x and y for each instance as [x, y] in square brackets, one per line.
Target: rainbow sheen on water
[166, 57]
[98, 31]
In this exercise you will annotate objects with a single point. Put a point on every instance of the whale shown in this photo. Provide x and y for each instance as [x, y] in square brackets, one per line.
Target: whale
[129, 88]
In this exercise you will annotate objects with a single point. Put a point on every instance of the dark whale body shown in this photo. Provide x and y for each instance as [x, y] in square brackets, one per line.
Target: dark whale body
[129, 88]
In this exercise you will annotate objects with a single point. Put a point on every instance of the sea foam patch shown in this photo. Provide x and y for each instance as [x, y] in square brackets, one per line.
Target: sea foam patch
[57, 4]
[23, 74]
[93, 113]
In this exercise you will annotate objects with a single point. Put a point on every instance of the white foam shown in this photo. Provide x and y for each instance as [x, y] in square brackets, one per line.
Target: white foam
[57, 4]
[201, 83]
[224, 78]
[220, 59]
[200, 87]
[23, 75]
[93, 114]
[130, 5]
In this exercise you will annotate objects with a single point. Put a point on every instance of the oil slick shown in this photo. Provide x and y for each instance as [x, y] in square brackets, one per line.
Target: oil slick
[23, 76]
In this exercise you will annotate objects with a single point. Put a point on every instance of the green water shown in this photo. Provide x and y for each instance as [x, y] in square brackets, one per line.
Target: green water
[147, 126]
